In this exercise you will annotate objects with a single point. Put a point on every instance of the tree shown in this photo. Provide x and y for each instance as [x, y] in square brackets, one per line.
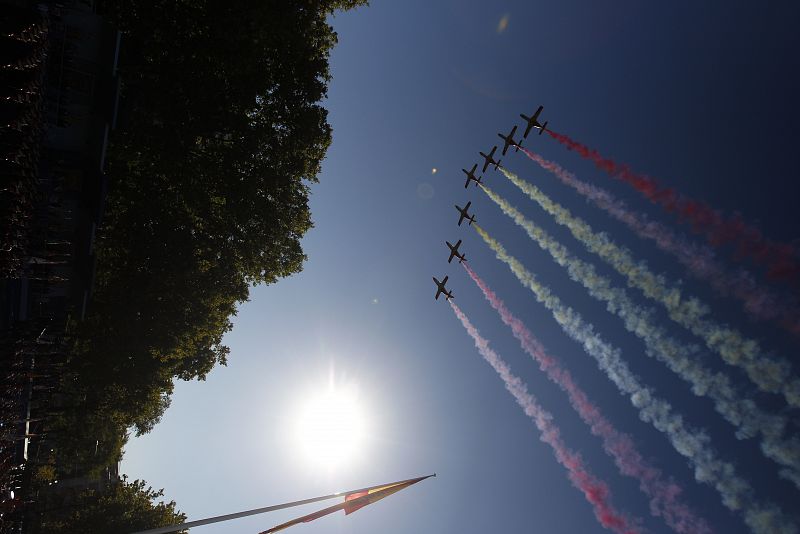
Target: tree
[123, 507]
[210, 179]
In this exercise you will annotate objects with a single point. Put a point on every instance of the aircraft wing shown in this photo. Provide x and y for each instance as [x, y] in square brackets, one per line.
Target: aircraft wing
[528, 129]
[505, 142]
[532, 121]
[509, 139]
[439, 287]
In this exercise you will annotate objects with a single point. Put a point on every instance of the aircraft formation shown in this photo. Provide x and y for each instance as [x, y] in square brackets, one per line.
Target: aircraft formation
[740, 405]
[488, 159]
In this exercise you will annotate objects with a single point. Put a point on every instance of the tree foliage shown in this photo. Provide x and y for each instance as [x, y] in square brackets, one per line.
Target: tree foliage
[223, 132]
[123, 507]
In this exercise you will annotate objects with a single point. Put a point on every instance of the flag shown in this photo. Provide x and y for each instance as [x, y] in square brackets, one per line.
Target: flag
[352, 502]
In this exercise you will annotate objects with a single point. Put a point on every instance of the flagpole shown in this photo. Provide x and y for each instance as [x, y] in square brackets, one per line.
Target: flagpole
[256, 511]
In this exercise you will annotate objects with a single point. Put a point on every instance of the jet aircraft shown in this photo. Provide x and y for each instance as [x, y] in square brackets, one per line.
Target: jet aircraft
[454, 252]
[533, 122]
[509, 141]
[440, 288]
[489, 160]
[465, 214]
[471, 176]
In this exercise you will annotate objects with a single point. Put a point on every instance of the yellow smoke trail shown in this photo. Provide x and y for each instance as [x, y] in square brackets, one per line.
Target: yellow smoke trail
[737, 409]
[770, 374]
[736, 493]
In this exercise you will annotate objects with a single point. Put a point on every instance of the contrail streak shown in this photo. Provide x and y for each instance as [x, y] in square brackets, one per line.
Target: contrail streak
[770, 374]
[749, 241]
[760, 302]
[595, 490]
[736, 493]
[664, 495]
[683, 360]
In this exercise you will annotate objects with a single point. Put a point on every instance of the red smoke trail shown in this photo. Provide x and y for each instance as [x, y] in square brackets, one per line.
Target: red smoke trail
[663, 494]
[759, 301]
[595, 491]
[749, 241]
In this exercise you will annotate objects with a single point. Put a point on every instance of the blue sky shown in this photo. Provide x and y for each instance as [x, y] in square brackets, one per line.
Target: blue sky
[701, 96]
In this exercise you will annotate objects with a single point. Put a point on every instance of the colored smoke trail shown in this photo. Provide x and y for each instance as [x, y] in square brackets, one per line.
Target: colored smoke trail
[749, 241]
[760, 302]
[663, 494]
[683, 360]
[770, 374]
[595, 491]
[736, 493]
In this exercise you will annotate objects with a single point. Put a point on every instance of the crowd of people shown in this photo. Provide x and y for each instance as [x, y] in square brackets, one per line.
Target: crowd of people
[23, 58]
[29, 374]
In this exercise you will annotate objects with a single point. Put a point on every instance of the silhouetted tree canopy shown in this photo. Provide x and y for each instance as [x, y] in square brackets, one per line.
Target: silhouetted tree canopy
[124, 507]
[223, 134]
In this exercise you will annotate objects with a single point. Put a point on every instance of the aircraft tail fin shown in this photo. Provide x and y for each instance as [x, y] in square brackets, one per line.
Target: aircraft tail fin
[543, 128]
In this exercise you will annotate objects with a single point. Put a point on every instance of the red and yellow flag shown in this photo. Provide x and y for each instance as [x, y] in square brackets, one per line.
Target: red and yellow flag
[352, 502]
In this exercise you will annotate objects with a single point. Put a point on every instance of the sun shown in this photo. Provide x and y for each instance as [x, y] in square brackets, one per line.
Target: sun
[330, 428]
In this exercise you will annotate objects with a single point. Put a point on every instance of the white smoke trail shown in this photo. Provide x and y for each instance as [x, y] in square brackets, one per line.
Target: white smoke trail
[736, 493]
[770, 374]
[736, 408]
[780, 258]
[664, 494]
[760, 302]
[596, 491]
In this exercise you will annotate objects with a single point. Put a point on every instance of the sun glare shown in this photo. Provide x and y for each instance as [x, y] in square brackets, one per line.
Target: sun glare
[330, 428]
